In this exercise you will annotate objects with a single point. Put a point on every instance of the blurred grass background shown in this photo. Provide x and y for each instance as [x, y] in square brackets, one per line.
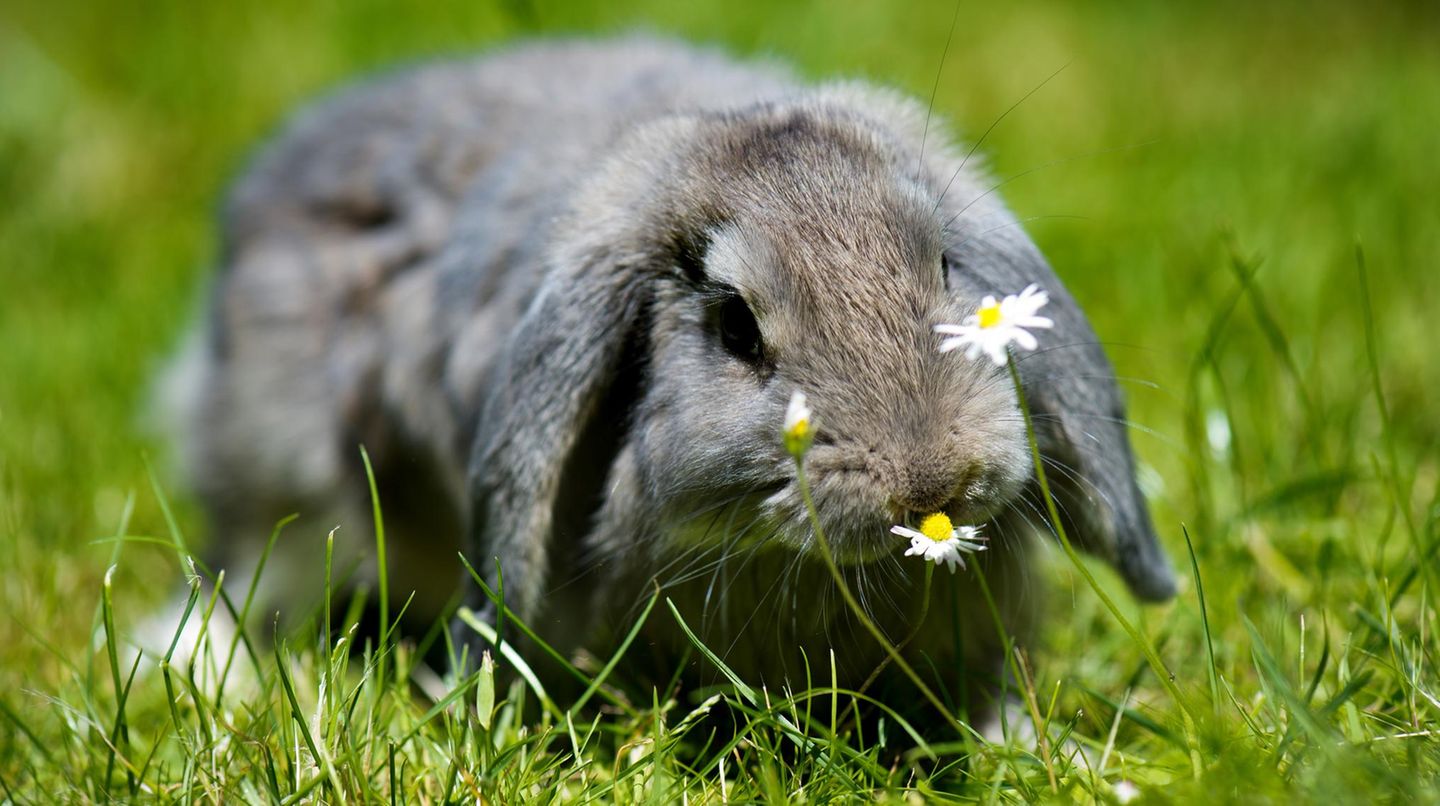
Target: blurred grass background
[1175, 142]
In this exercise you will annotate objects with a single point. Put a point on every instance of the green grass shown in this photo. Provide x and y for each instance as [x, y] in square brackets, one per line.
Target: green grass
[1200, 177]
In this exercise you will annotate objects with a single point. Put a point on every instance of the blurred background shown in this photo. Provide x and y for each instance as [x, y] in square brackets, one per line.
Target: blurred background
[1167, 151]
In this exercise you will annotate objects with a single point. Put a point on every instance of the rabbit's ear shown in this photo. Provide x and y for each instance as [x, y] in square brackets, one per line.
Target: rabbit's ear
[1080, 424]
[559, 398]
[552, 416]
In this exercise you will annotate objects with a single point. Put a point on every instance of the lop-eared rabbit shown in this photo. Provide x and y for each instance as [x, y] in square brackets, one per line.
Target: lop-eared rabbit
[563, 293]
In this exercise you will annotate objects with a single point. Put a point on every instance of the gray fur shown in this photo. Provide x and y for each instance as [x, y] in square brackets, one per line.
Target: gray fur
[476, 270]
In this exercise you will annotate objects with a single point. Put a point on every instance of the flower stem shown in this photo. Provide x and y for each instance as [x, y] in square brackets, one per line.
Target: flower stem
[919, 625]
[855, 605]
[1158, 666]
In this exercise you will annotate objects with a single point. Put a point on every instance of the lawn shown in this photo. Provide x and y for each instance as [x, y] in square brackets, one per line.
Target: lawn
[1242, 195]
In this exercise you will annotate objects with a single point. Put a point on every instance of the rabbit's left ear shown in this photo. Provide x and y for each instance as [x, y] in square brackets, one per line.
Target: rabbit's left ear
[554, 383]
[557, 400]
[1080, 425]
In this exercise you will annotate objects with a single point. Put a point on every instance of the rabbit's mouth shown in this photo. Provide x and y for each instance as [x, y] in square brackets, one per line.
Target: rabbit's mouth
[857, 527]
[852, 526]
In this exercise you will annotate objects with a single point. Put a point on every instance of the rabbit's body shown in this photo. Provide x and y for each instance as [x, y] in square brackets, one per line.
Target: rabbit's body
[377, 257]
[515, 282]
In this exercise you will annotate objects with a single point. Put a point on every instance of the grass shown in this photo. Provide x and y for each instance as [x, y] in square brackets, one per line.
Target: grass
[1201, 177]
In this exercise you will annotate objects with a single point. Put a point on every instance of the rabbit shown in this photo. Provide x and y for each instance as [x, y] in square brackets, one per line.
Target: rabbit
[562, 294]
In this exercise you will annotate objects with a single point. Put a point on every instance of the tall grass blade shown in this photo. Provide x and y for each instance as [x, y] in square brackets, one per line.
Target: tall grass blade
[381, 570]
[1204, 623]
[1398, 487]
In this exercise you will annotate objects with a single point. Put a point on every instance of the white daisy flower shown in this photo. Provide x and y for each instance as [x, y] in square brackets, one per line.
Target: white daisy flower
[996, 325]
[1126, 791]
[797, 424]
[938, 540]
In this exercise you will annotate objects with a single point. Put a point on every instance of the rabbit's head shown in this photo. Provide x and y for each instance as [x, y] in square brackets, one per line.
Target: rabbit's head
[716, 263]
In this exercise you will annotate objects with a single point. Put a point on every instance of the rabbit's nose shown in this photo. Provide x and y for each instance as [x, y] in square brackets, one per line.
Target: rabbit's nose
[925, 486]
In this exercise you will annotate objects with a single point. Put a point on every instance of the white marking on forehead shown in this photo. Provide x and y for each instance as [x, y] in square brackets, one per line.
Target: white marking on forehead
[745, 258]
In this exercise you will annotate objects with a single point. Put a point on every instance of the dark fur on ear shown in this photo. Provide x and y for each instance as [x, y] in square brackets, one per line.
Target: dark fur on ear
[1080, 422]
[551, 384]
[561, 393]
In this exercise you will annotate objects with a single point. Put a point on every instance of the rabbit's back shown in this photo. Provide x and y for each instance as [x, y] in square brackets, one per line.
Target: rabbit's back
[376, 254]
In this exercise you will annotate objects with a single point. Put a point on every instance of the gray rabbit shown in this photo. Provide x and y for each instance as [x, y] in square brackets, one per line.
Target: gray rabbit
[563, 293]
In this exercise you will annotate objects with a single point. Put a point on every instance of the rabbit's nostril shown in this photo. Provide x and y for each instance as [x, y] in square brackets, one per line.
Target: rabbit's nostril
[937, 484]
[926, 486]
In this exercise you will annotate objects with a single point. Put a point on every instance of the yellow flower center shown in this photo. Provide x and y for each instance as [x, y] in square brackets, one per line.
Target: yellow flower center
[989, 315]
[800, 429]
[937, 527]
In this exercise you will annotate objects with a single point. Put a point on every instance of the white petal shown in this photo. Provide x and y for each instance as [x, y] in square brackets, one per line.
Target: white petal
[956, 342]
[950, 557]
[1025, 339]
[1026, 304]
[952, 330]
[797, 410]
[1034, 295]
[905, 532]
[1034, 321]
[996, 350]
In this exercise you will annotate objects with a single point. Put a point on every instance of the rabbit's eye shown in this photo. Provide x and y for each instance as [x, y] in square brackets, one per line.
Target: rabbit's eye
[739, 331]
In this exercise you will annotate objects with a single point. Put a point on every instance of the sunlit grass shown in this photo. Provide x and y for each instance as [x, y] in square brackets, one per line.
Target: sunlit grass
[1200, 178]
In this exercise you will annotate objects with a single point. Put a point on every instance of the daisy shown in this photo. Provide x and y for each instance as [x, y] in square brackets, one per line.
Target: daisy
[938, 540]
[996, 325]
[797, 424]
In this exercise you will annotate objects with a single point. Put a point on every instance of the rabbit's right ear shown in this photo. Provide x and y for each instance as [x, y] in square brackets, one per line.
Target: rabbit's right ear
[1080, 423]
[551, 412]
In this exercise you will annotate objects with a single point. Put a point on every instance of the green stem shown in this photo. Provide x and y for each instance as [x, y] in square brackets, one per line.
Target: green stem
[854, 605]
[919, 625]
[1158, 666]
